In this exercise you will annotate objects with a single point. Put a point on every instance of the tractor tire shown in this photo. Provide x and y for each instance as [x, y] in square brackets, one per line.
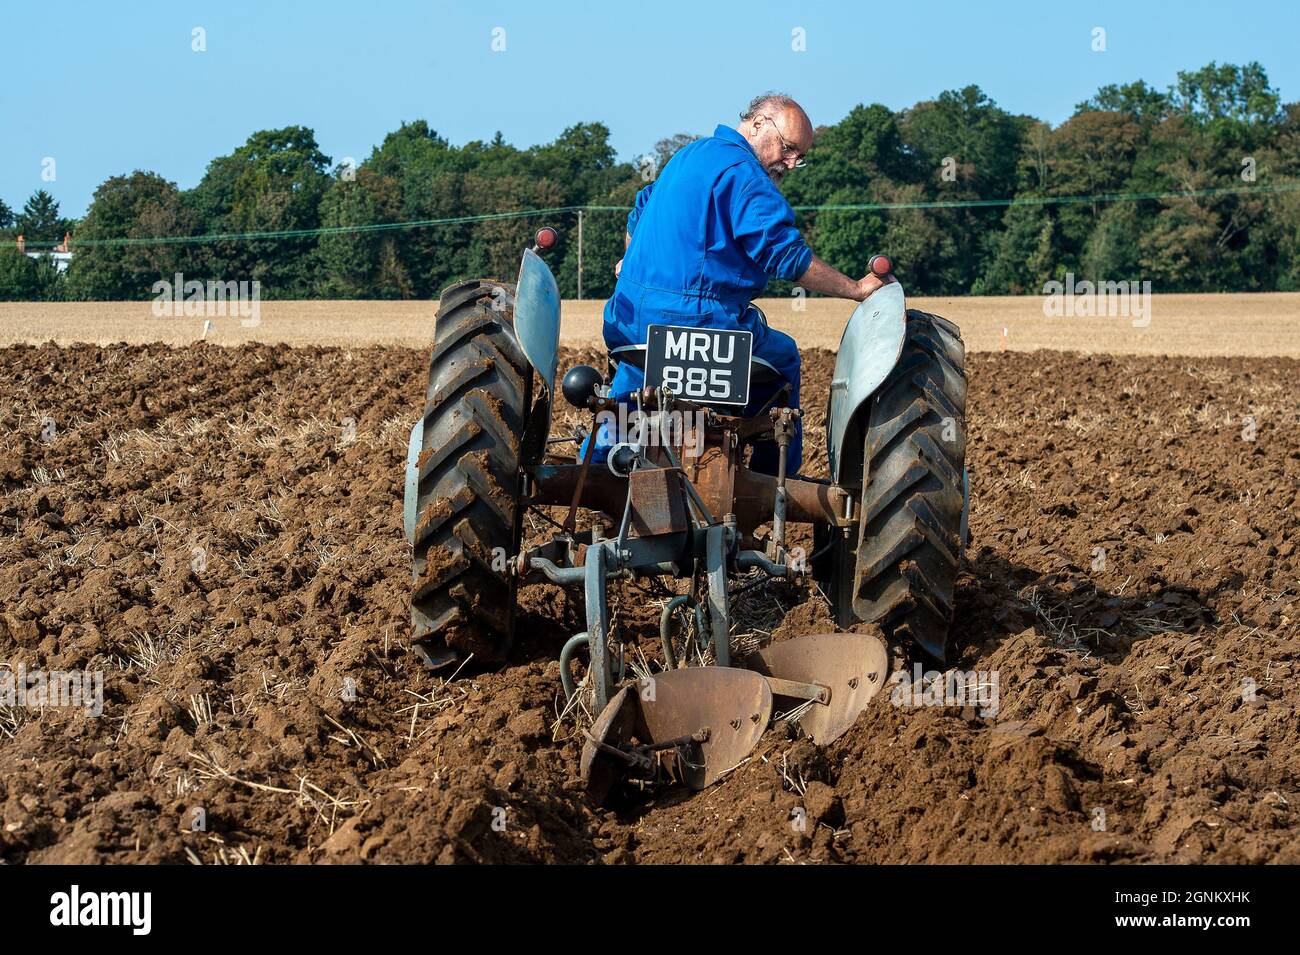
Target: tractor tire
[468, 516]
[900, 570]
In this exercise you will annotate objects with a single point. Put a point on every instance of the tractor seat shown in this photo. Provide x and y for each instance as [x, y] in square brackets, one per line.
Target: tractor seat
[760, 371]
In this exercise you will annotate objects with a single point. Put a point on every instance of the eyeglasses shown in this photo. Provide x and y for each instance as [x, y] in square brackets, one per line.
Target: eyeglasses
[787, 148]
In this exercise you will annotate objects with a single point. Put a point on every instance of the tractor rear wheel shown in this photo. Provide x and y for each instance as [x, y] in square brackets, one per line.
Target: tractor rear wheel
[900, 569]
[468, 518]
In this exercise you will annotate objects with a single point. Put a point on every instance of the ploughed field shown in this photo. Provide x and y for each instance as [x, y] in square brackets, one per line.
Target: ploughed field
[218, 530]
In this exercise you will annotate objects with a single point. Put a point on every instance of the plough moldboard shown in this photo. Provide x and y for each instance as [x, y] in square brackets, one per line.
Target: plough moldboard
[680, 515]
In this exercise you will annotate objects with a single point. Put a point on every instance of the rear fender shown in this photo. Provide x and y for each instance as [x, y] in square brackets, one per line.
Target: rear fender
[411, 486]
[537, 324]
[869, 350]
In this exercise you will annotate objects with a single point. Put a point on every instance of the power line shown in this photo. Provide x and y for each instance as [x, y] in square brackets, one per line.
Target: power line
[558, 210]
[1050, 200]
[306, 233]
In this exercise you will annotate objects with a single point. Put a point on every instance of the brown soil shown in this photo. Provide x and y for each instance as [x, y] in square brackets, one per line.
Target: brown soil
[202, 524]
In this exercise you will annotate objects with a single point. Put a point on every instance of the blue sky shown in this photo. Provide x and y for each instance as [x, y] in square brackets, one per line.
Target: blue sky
[106, 87]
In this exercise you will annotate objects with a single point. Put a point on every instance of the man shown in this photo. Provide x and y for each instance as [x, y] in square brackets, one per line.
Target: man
[705, 237]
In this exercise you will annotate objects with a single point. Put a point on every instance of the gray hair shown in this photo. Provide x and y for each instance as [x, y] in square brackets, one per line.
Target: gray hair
[768, 101]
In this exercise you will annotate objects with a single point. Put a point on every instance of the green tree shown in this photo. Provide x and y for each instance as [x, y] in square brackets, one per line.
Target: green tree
[1178, 247]
[1287, 217]
[603, 241]
[361, 264]
[1186, 155]
[1237, 94]
[668, 147]
[24, 278]
[1278, 232]
[1136, 99]
[968, 127]
[1091, 154]
[428, 173]
[1209, 139]
[1113, 251]
[40, 222]
[495, 245]
[437, 255]
[272, 183]
[580, 162]
[923, 249]
[414, 149]
[1023, 255]
[124, 211]
[963, 147]
[847, 239]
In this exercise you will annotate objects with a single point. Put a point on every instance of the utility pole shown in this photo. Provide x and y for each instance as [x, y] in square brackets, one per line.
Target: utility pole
[580, 211]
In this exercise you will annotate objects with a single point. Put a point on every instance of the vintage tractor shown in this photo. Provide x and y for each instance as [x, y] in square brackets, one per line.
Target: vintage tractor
[680, 501]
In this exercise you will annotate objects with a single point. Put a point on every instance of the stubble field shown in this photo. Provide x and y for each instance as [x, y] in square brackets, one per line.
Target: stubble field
[1243, 325]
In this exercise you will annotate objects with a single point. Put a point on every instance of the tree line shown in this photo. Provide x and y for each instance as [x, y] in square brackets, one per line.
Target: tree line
[1214, 162]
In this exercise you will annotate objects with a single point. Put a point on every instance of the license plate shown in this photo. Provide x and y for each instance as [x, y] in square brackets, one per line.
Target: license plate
[709, 365]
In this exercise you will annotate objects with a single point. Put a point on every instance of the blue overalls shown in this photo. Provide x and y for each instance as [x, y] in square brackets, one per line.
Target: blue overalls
[706, 236]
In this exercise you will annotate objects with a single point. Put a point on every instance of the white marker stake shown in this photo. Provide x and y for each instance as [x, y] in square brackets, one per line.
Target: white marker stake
[1004, 338]
[207, 327]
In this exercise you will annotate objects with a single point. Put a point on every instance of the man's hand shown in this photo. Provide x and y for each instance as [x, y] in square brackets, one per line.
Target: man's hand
[618, 268]
[870, 282]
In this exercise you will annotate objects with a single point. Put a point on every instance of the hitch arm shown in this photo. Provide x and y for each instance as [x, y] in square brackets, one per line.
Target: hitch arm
[799, 691]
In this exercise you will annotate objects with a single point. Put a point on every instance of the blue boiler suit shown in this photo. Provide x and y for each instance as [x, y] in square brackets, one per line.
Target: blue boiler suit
[706, 236]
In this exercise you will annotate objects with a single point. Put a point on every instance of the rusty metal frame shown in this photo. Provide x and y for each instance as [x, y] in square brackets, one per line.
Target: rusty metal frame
[752, 495]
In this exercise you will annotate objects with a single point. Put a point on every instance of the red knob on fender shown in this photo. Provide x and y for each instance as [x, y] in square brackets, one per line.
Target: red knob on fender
[546, 237]
[880, 265]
